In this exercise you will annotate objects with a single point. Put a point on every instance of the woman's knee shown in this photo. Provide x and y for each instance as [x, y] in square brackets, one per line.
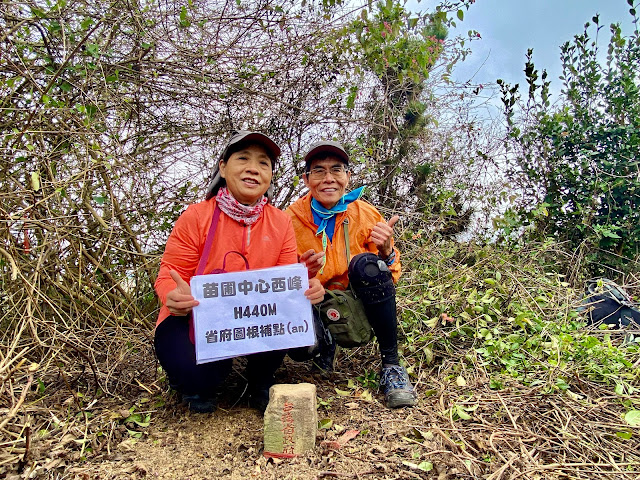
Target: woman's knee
[177, 356]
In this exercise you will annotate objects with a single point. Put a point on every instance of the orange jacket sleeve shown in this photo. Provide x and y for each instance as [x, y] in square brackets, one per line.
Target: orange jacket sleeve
[289, 252]
[182, 253]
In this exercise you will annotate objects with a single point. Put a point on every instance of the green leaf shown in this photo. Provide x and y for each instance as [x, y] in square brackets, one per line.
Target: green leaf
[366, 396]
[460, 15]
[35, 181]
[425, 466]
[325, 423]
[86, 23]
[632, 417]
[495, 384]
[462, 413]
[184, 17]
[38, 12]
[92, 49]
[624, 435]
[343, 393]
[609, 234]
[351, 99]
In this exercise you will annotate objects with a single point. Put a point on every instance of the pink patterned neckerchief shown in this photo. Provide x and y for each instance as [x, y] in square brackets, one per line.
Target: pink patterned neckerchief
[246, 215]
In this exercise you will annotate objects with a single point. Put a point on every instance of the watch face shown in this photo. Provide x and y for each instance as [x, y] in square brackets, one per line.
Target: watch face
[333, 314]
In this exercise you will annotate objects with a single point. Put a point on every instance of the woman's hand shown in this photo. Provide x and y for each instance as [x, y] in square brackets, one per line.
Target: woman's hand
[382, 234]
[315, 294]
[180, 302]
[313, 261]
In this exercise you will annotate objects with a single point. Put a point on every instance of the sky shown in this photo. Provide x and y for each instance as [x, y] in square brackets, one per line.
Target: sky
[509, 27]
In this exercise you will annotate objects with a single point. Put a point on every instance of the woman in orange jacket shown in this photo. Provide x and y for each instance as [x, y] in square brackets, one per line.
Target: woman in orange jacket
[318, 219]
[247, 223]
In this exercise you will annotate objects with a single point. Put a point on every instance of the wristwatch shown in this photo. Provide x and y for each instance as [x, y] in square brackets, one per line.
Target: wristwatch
[390, 259]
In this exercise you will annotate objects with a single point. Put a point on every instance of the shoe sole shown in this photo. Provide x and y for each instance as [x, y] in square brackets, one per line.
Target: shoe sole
[399, 401]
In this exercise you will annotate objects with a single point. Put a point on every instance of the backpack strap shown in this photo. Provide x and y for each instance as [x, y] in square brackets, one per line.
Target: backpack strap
[345, 224]
[209, 241]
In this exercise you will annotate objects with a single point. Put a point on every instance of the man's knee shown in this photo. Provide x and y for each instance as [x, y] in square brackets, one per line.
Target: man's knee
[371, 279]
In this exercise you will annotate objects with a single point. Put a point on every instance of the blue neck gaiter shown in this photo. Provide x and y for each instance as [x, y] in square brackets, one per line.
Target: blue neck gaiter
[327, 216]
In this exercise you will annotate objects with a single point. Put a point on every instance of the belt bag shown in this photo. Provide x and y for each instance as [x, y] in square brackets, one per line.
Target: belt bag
[343, 314]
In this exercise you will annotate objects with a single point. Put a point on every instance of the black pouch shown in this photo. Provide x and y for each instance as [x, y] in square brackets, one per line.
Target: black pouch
[607, 302]
[344, 316]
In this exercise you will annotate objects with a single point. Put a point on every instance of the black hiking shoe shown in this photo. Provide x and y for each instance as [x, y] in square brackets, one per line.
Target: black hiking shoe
[259, 399]
[325, 358]
[200, 404]
[397, 388]
[258, 392]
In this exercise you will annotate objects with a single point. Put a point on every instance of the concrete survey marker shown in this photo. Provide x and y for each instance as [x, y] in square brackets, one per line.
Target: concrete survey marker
[290, 421]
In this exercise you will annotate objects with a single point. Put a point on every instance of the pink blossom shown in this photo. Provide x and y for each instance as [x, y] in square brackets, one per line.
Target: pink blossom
[447, 318]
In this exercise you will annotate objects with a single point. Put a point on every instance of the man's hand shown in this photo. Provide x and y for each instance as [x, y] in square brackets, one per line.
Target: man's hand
[315, 294]
[382, 234]
[180, 302]
[313, 261]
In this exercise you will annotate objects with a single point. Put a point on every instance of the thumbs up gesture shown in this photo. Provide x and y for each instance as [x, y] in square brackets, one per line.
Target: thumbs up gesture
[180, 302]
[382, 234]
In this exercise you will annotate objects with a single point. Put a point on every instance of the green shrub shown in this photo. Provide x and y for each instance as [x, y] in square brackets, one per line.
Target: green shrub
[576, 162]
[509, 314]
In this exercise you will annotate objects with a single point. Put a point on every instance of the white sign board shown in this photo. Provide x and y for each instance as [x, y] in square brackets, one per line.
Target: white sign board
[251, 311]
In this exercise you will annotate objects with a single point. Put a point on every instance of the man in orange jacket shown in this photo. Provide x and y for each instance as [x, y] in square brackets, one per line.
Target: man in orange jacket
[318, 221]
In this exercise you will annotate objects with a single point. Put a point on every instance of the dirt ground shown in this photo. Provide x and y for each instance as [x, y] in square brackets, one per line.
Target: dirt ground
[228, 443]
[458, 430]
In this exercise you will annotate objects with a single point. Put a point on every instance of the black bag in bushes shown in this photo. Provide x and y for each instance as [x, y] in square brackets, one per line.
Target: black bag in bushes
[608, 303]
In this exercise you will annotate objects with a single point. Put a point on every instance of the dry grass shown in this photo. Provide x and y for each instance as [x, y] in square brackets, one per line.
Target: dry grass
[70, 392]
